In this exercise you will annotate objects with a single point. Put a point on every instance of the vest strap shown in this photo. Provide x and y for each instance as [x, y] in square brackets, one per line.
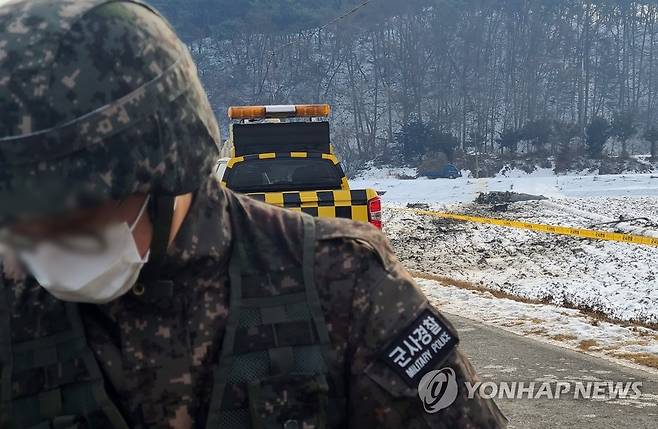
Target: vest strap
[162, 213]
[63, 422]
[66, 422]
[52, 377]
[282, 360]
[6, 357]
[285, 334]
[312, 296]
[291, 298]
[50, 403]
[226, 360]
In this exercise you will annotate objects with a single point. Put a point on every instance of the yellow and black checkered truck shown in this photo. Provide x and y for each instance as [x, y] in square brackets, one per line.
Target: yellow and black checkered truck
[282, 155]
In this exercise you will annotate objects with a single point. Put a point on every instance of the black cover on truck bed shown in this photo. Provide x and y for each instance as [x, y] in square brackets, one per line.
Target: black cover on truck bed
[250, 139]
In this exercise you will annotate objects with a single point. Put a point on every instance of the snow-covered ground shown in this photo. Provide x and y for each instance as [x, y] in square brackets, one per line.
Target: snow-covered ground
[568, 327]
[617, 280]
[440, 193]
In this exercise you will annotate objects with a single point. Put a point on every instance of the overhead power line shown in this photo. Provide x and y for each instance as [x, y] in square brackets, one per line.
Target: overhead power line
[330, 23]
[347, 14]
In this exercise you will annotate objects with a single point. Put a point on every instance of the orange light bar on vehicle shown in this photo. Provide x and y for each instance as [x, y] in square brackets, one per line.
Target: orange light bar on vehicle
[279, 111]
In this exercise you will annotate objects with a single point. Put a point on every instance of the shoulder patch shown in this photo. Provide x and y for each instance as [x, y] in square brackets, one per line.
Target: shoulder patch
[424, 344]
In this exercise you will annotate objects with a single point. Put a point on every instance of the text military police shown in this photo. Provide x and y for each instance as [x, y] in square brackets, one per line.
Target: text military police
[151, 296]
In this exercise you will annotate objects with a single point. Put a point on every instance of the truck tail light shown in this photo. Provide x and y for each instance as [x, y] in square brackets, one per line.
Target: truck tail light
[375, 212]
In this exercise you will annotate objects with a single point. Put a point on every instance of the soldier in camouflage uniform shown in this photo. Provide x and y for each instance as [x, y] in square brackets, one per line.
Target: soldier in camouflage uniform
[245, 315]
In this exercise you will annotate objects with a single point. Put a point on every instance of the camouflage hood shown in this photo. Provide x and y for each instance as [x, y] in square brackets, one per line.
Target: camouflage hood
[98, 100]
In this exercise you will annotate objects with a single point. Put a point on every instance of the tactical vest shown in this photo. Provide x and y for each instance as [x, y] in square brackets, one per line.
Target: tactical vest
[51, 381]
[273, 371]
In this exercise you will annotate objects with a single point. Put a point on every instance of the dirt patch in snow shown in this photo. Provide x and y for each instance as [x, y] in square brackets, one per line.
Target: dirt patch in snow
[646, 359]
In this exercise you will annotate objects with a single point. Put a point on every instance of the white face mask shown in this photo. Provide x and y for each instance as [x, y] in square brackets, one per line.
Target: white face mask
[94, 277]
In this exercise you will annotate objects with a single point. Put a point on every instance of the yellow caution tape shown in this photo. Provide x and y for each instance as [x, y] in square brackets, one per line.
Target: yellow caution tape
[550, 229]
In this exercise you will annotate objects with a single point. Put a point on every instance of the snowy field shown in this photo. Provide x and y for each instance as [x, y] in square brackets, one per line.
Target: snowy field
[440, 193]
[617, 280]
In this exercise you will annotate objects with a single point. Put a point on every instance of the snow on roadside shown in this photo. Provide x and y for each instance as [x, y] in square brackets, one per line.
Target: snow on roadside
[617, 279]
[571, 328]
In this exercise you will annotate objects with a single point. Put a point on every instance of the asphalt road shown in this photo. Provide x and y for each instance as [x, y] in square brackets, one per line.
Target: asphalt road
[502, 356]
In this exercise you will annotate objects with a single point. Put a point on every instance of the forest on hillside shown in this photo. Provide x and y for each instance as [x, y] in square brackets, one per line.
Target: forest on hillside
[407, 80]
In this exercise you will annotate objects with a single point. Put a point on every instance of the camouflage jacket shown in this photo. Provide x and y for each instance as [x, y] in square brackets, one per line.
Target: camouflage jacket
[158, 350]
